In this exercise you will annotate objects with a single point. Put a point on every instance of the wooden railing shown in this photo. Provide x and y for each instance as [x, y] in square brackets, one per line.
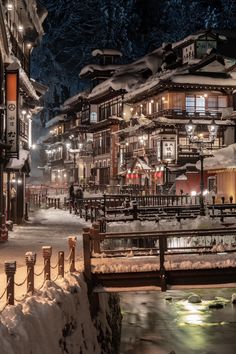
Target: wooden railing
[62, 266]
[180, 113]
[150, 244]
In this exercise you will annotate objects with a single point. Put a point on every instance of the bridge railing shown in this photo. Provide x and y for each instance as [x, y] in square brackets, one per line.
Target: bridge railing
[155, 243]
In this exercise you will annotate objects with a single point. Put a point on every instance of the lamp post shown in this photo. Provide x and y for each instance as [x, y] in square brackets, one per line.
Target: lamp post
[201, 142]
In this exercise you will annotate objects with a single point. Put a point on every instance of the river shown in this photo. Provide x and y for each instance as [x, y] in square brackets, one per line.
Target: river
[163, 323]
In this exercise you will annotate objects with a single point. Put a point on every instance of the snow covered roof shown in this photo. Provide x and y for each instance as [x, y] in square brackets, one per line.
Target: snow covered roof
[111, 52]
[223, 158]
[141, 121]
[140, 165]
[55, 120]
[181, 178]
[24, 80]
[90, 68]
[195, 36]
[184, 167]
[165, 120]
[74, 99]
[17, 164]
[130, 76]
[39, 87]
[204, 80]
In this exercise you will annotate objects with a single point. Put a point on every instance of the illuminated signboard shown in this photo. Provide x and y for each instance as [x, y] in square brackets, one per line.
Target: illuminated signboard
[168, 150]
[12, 121]
[93, 117]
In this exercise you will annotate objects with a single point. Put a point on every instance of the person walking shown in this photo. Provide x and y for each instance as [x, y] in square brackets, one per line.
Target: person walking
[71, 196]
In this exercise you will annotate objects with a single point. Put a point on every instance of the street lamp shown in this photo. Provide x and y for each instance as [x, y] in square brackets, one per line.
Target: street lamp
[201, 142]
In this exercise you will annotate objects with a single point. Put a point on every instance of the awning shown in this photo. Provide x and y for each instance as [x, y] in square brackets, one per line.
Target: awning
[20, 163]
[138, 167]
[140, 164]
[181, 178]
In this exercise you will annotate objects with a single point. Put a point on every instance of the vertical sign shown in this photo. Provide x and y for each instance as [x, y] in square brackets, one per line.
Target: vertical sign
[168, 150]
[12, 121]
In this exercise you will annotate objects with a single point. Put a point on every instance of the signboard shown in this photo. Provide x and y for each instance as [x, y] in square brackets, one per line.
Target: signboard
[12, 120]
[168, 150]
[93, 117]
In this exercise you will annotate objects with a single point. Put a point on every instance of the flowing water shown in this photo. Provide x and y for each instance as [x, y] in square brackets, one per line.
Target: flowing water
[163, 323]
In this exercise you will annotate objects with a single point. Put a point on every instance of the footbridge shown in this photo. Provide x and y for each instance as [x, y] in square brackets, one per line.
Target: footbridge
[159, 259]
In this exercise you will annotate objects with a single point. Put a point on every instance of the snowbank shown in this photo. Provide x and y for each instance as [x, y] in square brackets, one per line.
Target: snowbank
[57, 320]
[201, 222]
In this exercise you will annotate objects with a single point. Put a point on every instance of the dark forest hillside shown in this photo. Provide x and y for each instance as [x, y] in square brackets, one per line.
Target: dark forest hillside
[74, 28]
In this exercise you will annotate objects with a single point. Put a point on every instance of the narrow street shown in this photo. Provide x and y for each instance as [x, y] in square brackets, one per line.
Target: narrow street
[46, 227]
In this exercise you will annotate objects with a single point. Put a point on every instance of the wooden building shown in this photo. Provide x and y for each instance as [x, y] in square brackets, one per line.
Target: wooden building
[21, 30]
[137, 113]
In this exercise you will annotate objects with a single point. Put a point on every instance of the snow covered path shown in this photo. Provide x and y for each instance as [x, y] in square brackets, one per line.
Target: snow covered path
[45, 228]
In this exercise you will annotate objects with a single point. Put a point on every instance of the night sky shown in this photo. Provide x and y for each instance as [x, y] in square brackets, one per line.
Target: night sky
[74, 28]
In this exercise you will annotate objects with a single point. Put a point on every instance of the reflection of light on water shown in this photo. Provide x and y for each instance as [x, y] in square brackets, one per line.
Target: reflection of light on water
[196, 314]
[192, 314]
[194, 319]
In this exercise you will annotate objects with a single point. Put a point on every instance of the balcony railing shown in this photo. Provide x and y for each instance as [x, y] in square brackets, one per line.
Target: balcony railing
[187, 151]
[18, 52]
[144, 152]
[179, 113]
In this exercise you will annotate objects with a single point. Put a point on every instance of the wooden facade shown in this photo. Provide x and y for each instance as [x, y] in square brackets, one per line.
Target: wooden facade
[192, 82]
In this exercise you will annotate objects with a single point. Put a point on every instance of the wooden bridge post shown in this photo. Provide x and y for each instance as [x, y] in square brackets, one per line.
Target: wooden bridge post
[86, 212]
[104, 204]
[26, 211]
[91, 214]
[10, 270]
[87, 253]
[47, 253]
[72, 244]
[135, 210]
[30, 260]
[162, 249]
[221, 215]
[96, 240]
[61, 267]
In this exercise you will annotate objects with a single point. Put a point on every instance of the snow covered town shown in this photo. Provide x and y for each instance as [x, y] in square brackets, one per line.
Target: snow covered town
[117, 177]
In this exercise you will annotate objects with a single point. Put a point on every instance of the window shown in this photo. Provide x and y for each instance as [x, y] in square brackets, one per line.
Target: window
[190, 103]
[200, 103]
[212, 102]
[177, 101]
[217, 143]
[150, 110]
[183, 141]
[212, 184]
[222, 101]
[157, 106]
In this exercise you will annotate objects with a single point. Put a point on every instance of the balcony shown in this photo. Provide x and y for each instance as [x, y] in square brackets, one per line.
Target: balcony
[187, 153]
[178, 113]
[19, 54]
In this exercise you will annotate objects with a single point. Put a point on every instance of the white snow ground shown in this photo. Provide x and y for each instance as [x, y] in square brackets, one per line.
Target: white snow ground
[55, 320]
[29, 327]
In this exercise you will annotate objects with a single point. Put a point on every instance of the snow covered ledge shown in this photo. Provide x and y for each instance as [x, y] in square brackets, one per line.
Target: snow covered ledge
[58, 320]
